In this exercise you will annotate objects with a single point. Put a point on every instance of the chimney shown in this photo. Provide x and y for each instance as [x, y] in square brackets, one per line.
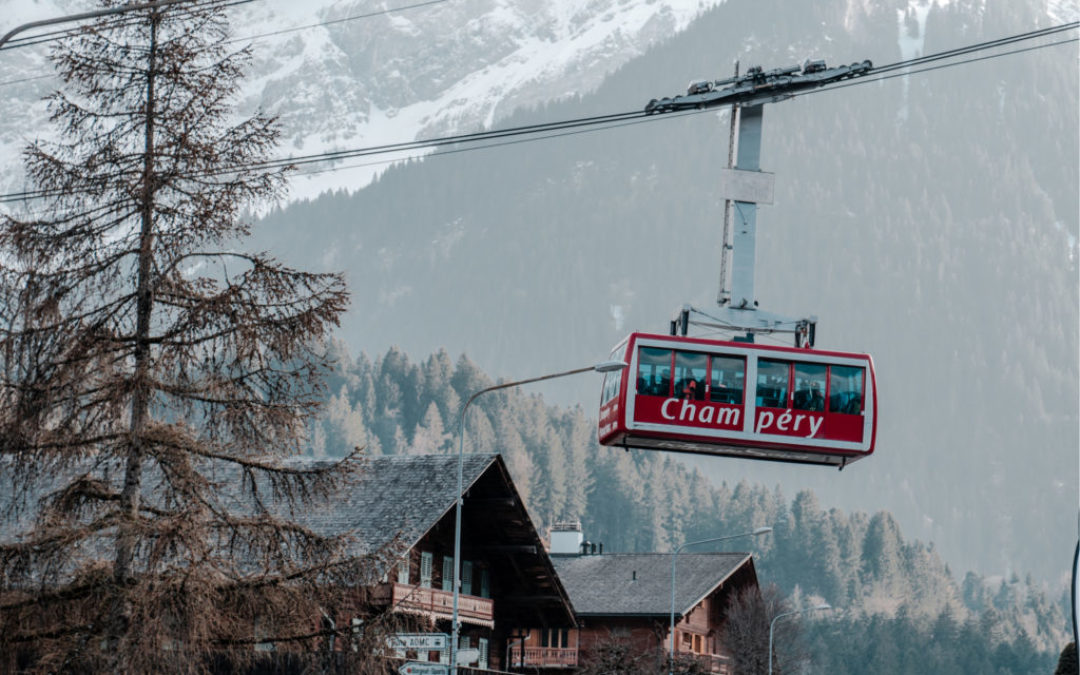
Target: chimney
[566, 538]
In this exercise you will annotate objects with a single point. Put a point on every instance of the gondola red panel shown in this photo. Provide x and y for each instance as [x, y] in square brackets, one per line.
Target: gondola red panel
[740, 399]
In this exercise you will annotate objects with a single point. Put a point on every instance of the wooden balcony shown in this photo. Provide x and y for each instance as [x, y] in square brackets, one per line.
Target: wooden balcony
[543, 657]
[713, 663]
[437, 603]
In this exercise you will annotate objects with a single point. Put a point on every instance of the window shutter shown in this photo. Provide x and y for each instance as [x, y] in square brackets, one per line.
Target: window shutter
[403, 571]
[485, 583]
[426, 563]
[466, 577]
[448, 573]
[482, 643]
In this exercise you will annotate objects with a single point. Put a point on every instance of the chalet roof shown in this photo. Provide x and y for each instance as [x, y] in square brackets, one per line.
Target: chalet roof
[639, 584]
[403, 495]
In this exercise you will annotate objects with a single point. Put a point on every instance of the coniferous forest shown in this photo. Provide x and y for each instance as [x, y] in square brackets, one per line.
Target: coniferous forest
[899, 608]
[930, 221]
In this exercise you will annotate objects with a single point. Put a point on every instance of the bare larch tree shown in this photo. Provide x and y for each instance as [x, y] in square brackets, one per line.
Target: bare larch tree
[154, 377]
[747, 617]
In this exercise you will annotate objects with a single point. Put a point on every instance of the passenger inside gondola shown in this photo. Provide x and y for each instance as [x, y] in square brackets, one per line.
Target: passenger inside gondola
[690, 370]
[809, 387]
[846, 390]
[654, 372]
[728, 376]
[772, 384]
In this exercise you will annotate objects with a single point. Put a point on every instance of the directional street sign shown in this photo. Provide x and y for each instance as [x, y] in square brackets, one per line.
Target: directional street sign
[417, 668]
[421, 642]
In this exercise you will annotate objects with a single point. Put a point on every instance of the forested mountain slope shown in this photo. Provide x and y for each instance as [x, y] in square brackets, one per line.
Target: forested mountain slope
[862, 564]
[929, 220]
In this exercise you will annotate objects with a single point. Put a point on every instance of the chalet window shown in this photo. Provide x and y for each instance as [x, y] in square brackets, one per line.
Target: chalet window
[466, 642]
[555, 637]
[261, 631]
[482, 643]
[426, 563]
[448, 573]
[485, 583]
[466, 577]
[403, 571]
[357, 626]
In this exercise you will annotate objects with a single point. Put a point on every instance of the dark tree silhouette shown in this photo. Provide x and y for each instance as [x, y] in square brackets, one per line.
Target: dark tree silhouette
[1067, 662]
[623, 656]
[153, 376]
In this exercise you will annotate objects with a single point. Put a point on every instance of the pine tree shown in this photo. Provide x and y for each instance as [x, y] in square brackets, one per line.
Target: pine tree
[153, 376]
[430, 437]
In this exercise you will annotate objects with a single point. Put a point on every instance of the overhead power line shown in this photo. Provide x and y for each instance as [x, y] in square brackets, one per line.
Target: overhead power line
[979, 46]
[344, 19]
[551, 130]
[905, 73]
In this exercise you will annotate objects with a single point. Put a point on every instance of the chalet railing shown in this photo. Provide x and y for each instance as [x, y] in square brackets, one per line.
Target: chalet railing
[437, 603]
[544, 657]
[715, 663]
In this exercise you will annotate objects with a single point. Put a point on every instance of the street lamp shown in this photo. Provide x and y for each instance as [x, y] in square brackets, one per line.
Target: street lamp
[824, 605]
[86, 15]
[604, 367]
[674, 555]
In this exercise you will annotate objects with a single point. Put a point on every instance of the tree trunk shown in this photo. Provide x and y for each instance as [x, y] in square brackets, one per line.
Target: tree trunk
[140, 399]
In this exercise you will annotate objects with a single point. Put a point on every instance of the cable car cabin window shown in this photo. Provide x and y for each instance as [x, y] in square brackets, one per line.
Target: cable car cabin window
[654, 371]
[728, 379]
[846, 390]
[691, 371]
[611, 386]
[772, 383]
[809, 392]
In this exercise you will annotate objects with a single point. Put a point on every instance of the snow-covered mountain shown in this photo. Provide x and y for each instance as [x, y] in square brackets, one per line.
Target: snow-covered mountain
[350, 73]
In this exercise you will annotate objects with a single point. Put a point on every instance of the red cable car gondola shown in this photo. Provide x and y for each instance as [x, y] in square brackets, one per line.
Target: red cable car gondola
[739, 399]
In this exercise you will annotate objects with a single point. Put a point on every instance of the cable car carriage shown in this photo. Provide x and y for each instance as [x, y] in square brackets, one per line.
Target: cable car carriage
[739, 399]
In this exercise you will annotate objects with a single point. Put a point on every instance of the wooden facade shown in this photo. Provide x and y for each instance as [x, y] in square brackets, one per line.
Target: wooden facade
[624, 600]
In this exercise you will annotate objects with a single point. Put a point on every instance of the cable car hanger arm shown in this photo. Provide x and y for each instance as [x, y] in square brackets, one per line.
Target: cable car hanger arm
[758, 86]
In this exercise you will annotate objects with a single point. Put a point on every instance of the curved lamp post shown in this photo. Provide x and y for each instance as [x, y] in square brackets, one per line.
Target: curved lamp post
[674, 555]
[86, 15]
[604, 367]
[780, 616]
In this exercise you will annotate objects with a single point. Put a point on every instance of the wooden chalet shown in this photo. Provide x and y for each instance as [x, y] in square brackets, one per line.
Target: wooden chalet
[626, 598]
[507, 578]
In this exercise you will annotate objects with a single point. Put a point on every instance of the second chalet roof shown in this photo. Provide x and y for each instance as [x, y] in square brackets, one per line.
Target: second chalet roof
[639, 584]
